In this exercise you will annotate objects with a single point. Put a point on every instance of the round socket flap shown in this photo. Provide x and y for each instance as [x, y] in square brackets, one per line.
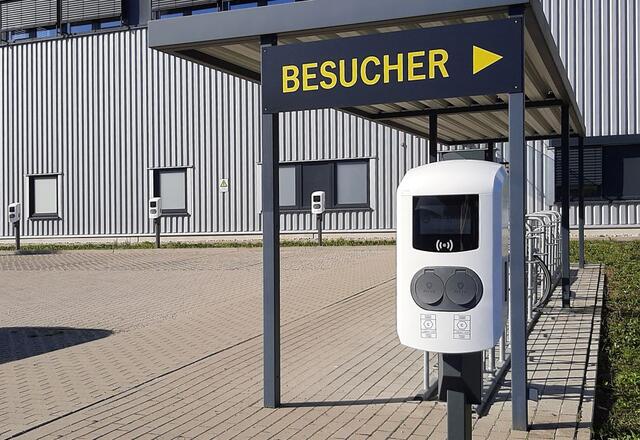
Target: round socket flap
[427, 288]
[461, 288]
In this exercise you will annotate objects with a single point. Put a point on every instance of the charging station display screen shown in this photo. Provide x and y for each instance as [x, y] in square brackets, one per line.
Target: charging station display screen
[445, 223]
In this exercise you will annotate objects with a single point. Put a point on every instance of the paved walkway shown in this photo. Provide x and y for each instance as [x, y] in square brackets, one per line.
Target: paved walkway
[167, 344]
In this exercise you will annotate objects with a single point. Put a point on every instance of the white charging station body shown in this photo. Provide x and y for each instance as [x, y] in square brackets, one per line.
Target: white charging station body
[14, 212]
[452, 232]
[318, 202]
[155, 208]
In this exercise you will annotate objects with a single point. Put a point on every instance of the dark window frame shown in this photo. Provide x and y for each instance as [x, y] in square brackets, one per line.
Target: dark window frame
[61, 28]
[220, 6]
[157, 191]
[606, 144]
[303, 205]
[33, 215]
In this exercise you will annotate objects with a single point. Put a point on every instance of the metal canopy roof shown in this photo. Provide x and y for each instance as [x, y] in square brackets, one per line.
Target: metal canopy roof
[230, 41]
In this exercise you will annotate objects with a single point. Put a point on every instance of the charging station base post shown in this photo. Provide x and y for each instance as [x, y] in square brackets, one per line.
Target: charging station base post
[319, 225]
[17, 232]
[458, 416]
[156, 225]
[460, 385]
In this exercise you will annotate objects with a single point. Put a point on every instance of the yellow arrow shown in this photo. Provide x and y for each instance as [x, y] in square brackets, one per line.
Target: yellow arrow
[483, 58]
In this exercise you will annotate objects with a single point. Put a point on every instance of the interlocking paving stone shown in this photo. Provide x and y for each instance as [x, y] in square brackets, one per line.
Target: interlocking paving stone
[185, 356]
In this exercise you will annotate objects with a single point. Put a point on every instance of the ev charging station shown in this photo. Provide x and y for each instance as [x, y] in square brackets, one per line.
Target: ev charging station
[155, 213]
[317, 209]
[453, 72]
[14, 215]
[451, 271]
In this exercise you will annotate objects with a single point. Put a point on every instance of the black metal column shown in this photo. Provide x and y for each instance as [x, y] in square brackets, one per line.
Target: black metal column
[489, 153]
[517, 211]
[17, 232]
[156, 226]
[433, 138]
[460, 384]
[458, 416]
[271, 249]
[517, 304]
[566, 282]
[319, 226]
[137, 12]
[581, 202]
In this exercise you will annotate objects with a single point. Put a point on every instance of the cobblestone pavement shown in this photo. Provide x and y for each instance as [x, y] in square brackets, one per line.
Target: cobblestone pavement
[146, 344]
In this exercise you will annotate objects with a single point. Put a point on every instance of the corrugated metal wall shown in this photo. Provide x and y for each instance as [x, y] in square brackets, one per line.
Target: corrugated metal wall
[599, 42]
[103, 111]
[328, 134]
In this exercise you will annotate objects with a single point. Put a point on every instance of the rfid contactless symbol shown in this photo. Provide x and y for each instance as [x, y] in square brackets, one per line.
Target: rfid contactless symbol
[444, 246]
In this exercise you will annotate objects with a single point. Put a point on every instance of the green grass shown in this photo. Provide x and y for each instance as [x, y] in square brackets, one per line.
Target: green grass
[55, 247]
[618, 393]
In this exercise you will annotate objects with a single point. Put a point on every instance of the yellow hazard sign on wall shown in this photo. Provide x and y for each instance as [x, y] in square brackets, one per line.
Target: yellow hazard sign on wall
[224, 185]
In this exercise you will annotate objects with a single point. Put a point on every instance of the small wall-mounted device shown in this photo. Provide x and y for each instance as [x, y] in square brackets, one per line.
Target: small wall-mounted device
[155, 208]
[14, 212]
[451, 246]
[318, 202]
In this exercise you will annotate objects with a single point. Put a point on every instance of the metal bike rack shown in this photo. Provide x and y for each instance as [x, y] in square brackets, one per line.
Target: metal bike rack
[543, 273]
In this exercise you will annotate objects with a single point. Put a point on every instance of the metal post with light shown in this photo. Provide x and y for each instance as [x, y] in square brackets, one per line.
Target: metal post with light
[318, 208]
[14, 216]
[155, 212]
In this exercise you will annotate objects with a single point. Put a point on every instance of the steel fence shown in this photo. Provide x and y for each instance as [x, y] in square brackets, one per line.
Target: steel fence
[543, 273]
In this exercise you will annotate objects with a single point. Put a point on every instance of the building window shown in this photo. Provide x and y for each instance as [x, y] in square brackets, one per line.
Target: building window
[345, 183]
[592, 174]
[46, 32]
[43, 196]
[171, 14]
[288, 186]
[622, 173]
[610, 173]
[21, 35]
[171, 186]
[109, 24]
[242, 5]
[80, 28]
[352, 183]
[204, 11]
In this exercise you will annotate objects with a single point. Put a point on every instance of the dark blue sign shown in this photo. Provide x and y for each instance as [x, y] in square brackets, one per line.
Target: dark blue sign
[482, 58]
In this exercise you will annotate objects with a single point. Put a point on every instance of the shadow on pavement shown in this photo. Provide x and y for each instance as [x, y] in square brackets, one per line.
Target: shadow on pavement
[346, 402]
[23, 342]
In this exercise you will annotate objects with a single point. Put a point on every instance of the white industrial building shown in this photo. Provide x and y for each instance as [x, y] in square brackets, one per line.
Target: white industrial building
[94, 123]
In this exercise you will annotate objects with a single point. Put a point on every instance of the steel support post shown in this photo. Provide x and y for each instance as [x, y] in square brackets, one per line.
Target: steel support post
[566, 273]
[271, 249]
[581, 202]
[319, 226]
[489, 153]
[17, 232]
[425, 371]
[458, 416]
[517, 304]
[433, 157]
[433, 138]
[156, 226]
[460, 383]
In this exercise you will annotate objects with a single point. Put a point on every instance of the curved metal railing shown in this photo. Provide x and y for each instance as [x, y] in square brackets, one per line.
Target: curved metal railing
[543, 273]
